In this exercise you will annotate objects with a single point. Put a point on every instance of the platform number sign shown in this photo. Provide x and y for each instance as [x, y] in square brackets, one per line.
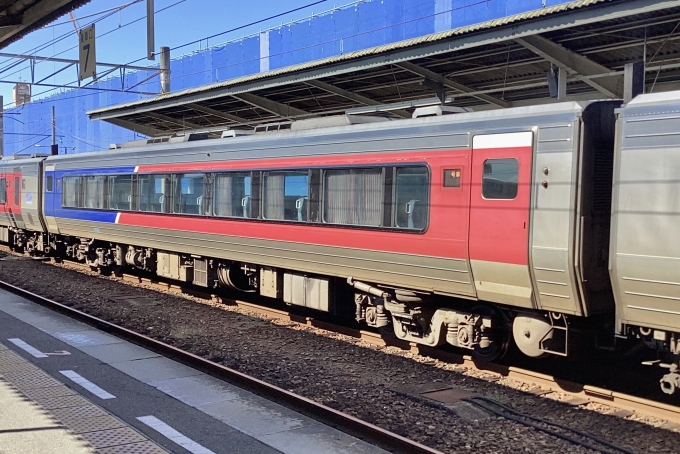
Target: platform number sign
[88, 62]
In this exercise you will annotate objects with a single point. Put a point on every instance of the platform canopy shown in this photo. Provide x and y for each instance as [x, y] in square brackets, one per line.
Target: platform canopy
[20, 17]
[496, 64]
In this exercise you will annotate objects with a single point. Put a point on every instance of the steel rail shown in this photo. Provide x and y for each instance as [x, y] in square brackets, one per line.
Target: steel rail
[494, 371]
[346, 423]
[548, 383]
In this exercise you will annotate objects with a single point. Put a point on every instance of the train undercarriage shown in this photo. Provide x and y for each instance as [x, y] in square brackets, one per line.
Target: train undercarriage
[486, 330]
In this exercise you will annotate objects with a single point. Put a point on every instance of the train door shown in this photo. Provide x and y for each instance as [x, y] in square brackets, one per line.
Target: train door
[13, 202]
[4, 219]
[500, 197]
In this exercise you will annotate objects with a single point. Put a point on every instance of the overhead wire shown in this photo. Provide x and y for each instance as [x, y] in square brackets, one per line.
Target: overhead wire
[61, 38]
[188, 43]
[115, 8]
[99, 36]
[79, 139]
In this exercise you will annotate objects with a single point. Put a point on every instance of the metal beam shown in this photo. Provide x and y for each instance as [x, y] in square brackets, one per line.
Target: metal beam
[142, 129]
[361, 99]
[419, 70]
[574, 62]
[277, 108]
[39, 59]
[178, 121]
[216, 113]
[368, 59]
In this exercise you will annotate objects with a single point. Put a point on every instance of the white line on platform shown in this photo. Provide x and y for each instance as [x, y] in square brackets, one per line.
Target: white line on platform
[87, 384]
[173, 435]
[27, 348]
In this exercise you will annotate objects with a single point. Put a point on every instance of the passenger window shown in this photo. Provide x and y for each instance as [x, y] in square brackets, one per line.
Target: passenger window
[187, 193]
[49, 183]
[412, 198]
[70, 197]
[17, 194]
[3, 190]
[232, 195]
[353, 197]
[286, 195]
[500, 178]
[120, 192]
[152, 193]
[93, 192]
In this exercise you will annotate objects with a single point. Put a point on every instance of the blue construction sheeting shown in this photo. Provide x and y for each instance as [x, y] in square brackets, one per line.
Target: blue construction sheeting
[361, 25]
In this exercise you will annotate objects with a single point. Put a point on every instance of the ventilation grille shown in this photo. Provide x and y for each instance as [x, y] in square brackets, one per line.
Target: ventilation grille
[201, 272]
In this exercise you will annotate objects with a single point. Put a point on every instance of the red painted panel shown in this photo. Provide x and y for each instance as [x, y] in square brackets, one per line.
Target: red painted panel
[11, 188]
[446, 235]
[499, 229]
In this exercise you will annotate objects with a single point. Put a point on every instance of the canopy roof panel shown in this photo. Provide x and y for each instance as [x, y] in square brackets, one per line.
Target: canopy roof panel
[20, 17]
[496, 64]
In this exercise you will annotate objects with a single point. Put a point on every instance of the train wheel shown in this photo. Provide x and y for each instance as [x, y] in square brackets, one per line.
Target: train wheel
[495, 343]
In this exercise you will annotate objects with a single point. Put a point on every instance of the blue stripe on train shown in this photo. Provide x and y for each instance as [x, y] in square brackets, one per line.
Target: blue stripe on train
[53, 199]
[86, 215]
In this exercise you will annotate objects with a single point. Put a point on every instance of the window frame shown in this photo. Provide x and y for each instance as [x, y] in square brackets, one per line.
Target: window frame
[105, 189]
[166, 205]
[3, 191]
[107, 192]
[176, 191]
[395, 185]
[514, 158]
[17, 192]
[316, 202]
[322, 195]
[79, 192]
[264, 174]
[254, 191]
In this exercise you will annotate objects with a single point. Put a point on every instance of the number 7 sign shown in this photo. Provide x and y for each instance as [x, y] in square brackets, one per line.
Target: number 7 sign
[88, 61]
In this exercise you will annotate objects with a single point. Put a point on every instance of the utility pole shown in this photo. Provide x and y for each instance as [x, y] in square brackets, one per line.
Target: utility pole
[150, 33]
[2, 127]
[55, 147]
[165, 70]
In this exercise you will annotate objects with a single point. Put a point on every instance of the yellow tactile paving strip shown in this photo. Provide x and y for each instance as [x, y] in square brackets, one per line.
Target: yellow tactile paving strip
[59, 409]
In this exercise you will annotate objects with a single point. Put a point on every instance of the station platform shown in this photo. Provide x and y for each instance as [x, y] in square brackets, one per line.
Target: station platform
[67, 387]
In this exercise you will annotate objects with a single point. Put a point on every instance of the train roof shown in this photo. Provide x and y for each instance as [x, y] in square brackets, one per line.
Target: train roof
[652, 103]
[541, 111]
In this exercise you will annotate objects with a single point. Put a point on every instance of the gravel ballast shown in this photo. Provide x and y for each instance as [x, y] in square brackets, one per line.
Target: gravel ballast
[372, 383]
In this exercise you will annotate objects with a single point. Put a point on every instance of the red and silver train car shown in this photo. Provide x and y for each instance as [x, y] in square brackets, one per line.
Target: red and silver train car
[467, 229]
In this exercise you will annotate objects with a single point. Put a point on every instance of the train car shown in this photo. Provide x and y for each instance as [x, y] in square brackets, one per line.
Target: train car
[21, 223]
[463, 229]
[645, 238]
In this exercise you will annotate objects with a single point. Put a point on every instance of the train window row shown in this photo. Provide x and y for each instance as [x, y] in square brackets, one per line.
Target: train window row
[392, 197]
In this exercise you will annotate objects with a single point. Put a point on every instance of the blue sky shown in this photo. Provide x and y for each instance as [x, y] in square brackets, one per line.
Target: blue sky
[121, 40]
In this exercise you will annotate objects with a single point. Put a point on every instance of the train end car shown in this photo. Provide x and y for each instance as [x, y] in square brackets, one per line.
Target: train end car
[21, 221]
[645, 234]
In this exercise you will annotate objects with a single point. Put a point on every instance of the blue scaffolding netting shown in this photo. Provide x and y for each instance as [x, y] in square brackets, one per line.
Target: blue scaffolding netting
[361, 25]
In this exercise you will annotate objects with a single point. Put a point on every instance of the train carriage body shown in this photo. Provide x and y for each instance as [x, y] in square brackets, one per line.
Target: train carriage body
[645, 253]
[20, 199]
[490, 206]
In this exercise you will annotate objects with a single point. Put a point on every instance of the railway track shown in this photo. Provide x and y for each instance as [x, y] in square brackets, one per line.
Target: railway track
[494, 371]
[326, 415]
